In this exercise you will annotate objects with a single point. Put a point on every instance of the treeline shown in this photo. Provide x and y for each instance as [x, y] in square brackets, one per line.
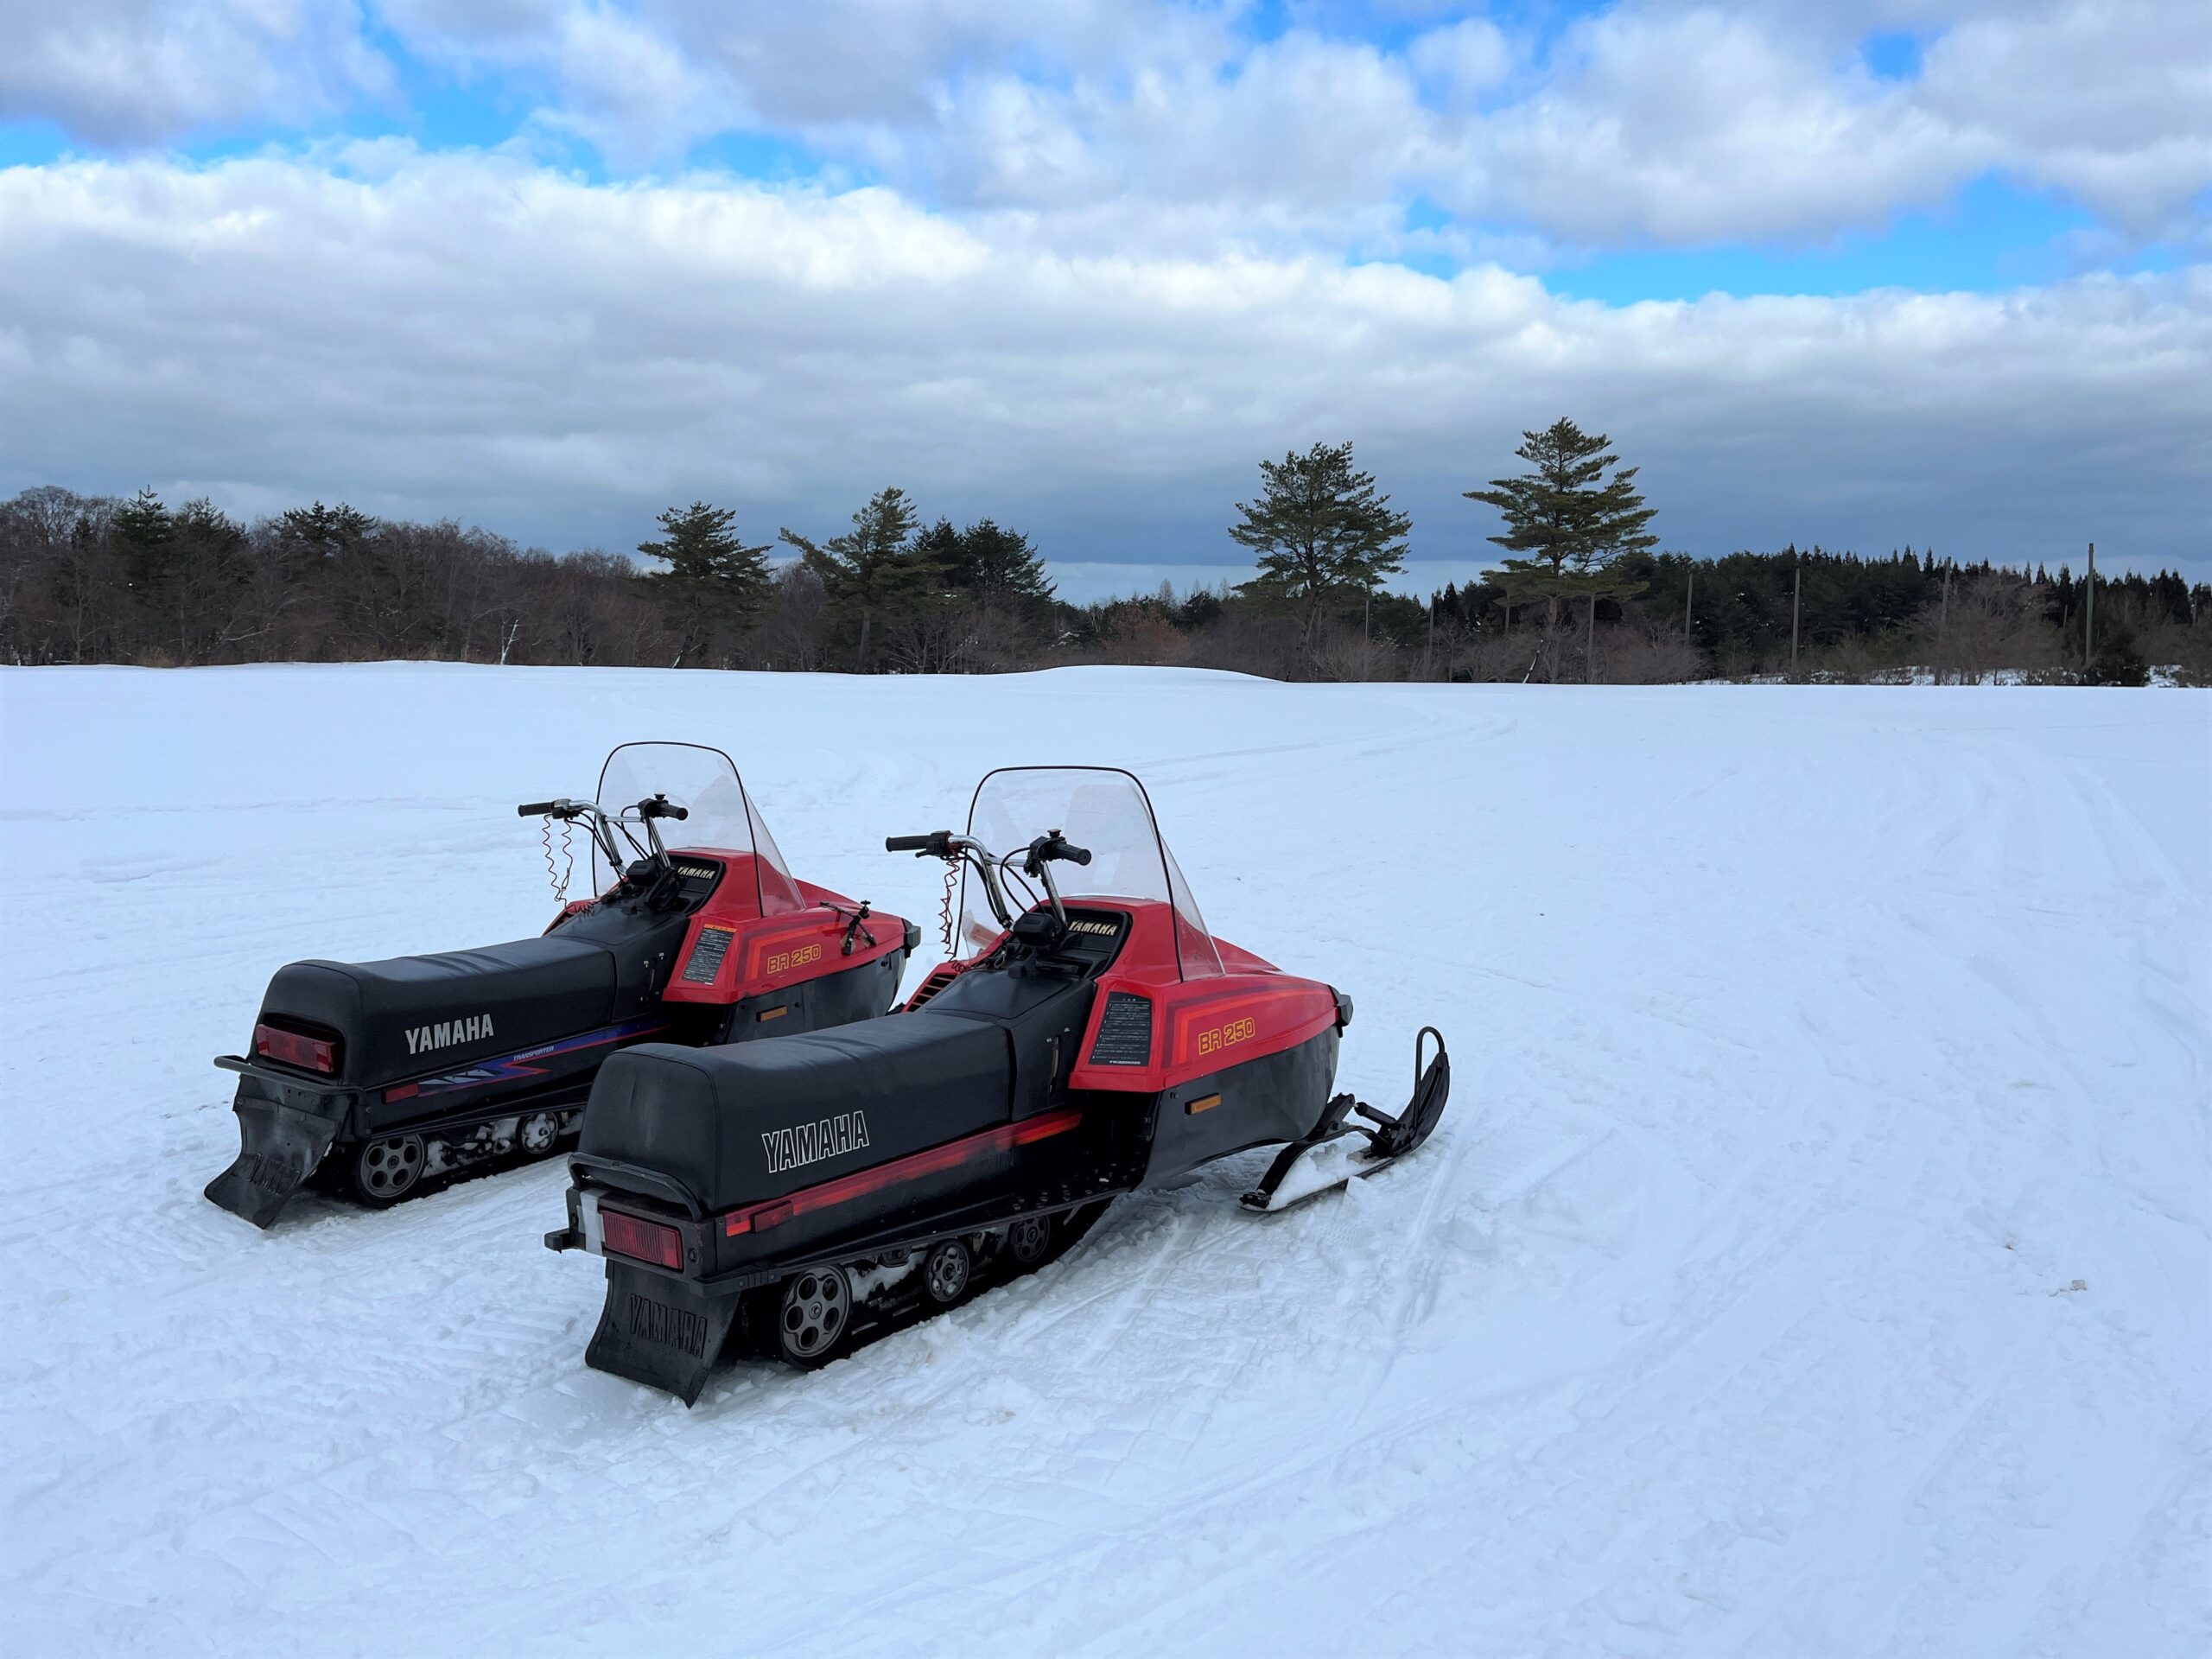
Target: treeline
[87, 579]
[1813, 613]
[95, 580]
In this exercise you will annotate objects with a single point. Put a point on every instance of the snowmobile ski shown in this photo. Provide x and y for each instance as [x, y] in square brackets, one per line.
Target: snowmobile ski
[1336, 1152]
[382, 1078]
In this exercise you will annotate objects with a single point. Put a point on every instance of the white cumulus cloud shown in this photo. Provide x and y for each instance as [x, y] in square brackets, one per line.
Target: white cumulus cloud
[558, 359]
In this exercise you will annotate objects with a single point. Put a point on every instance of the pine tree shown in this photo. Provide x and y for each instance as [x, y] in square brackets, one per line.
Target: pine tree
[1000, 567]
[309, 534]
[714, 582]
[211, 567]
[1324, 532]
[877, 571]
[1569, 519]
[145, 538]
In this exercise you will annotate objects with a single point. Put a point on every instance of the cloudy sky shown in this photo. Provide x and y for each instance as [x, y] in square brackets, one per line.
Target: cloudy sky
[1861, 274]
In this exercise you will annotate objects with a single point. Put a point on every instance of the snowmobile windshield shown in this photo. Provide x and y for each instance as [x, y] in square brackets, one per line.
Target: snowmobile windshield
[1101, 808]
[722, 818]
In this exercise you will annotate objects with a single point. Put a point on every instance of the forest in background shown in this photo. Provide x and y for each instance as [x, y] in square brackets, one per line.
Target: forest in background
[1580, 594]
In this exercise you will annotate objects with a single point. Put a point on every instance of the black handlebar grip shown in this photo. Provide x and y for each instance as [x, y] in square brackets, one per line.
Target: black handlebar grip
[536, 810]
[906, 843]
[679, 813]
[1054, 846]
[659, 808]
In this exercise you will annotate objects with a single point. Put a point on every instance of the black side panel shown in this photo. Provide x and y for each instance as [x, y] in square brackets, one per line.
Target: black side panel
[1042, 1009]
[754, 1121]
[643, 942]
[1276, 1097]
[530, 991]
[664, 1333]
[838, 999]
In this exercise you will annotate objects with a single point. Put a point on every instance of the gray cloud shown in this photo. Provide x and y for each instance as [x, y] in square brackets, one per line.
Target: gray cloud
[473, 336]
[138, 71]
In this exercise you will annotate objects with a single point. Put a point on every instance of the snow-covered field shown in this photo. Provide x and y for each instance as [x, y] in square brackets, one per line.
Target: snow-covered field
[1814, 1259]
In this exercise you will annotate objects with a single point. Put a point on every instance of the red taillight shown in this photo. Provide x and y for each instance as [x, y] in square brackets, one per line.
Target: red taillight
[648, 1241]
[308, 1053]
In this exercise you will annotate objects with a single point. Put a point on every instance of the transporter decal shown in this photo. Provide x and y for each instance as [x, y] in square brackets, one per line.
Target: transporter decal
[474, 1029]
[508, 1067]
[809, 1143]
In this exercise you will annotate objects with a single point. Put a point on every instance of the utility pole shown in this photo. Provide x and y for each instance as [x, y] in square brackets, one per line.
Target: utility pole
[1590, 645]
[2089, 613]
[1428, 651]
[1797, 603]
[1943, 621]
[1689, 606]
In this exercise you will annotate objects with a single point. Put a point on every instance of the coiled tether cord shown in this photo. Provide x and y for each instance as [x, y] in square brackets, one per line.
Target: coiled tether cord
[562, 875]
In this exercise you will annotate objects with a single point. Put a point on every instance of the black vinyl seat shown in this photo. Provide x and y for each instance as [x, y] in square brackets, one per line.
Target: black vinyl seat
[410, 1015]
[854, 1097]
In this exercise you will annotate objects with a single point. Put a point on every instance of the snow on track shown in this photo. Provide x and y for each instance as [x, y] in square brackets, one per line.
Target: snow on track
[1816, 1256]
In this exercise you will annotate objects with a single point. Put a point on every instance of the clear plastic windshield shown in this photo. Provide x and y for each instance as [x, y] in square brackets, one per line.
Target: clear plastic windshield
[1101, 808]
[705, 783]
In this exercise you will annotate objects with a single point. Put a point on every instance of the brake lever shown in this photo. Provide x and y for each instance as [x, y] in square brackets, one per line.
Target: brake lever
[854, 925]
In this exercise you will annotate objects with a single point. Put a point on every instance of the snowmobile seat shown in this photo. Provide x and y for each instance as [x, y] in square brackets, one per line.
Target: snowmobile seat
[409, 1015]
[753, 1120]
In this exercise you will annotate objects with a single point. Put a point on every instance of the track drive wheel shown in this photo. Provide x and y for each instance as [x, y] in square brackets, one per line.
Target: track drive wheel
[380, 1173]
[946, 1272]
[1029, 1241]
[536, 1134]
[813, 1316]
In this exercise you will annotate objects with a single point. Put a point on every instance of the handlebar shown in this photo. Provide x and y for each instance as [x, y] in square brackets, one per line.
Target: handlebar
[1054, 846]
[938, 841]
[943, 843]
[539, 808]
[661, 807]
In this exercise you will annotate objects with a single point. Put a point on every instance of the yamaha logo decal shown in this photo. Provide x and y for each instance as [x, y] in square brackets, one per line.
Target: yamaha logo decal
[809, 1143]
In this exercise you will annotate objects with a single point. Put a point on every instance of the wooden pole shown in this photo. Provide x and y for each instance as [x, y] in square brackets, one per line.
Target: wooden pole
[1590, 647]
[2089, 613]
[1428, 651]
[1943, 621]
[1689, 606]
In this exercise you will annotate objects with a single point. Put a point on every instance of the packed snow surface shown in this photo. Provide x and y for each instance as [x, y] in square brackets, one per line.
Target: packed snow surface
[1813, 1259]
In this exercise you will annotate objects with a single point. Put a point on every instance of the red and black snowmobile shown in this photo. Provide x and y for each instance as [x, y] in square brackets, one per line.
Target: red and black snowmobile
[1095, 1040]
[379, 1077]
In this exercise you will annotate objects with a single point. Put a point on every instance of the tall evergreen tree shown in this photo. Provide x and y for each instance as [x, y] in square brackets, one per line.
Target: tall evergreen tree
[310, 534]
[998, 567]
[1324, 532]
[878, 571]
[714, 582]
[1569, 520]
[145, 538]
[212, 566]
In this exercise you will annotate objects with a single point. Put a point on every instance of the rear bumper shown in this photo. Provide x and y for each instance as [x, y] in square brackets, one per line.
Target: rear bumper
[286, 1088]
